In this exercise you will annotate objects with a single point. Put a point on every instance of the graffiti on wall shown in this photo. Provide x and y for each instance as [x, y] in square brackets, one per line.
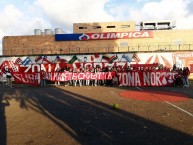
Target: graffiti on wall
[167, 59]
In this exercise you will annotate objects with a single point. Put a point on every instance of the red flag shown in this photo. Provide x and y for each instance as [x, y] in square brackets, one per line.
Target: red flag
[18, 61]
[92, 58]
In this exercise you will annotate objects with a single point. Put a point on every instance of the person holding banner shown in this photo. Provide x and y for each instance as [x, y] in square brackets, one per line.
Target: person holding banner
[42, 78]
[87, 80]
[78, 70]
[115, 81]
[92, 70]
[9, 77]
[57, 83]
[186, 73]
[75, 81]
[97, 82]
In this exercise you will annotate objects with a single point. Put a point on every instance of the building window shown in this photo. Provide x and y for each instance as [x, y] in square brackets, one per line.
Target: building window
[96, 27]
[110, 26]
[82, 27]
[125, 26]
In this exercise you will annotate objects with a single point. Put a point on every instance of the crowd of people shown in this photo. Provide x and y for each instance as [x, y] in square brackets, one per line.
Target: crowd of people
[180, 79]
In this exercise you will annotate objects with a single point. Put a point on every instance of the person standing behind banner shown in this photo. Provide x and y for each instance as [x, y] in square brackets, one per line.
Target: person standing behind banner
[8, 77]
[186, 73]
[42, 78]
[87, 80]
[92, 70]
[74, 81]
[57, 83]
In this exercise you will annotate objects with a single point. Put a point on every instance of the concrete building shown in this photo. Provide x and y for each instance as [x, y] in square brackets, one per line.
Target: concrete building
[102, 37]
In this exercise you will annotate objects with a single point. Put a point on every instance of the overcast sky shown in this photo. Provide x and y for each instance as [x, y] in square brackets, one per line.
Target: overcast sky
[21, 17]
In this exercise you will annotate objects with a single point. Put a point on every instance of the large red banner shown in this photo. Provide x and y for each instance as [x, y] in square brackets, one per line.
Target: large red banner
[146, 78]
[132, 78]
[27, 78]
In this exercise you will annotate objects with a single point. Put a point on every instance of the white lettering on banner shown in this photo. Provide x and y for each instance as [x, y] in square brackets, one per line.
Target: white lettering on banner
[93, 76]
[137, 79]
[47, 76]
[18, 76]
[57, 67]
[153, 79]
[55, 77]
[131, 79]
[115, 35]
[99, 74]
[81, 76]
[121, 35]
[62, 77]
[136, 34]
[43, 67]
[66, 76]
[171, 76]
[49, 67]
[78, 76]
[74, 76]
[124, 34]
[109, 76]
[158, 83]
[87, 76]
[52, 67]
[27, 78]
[103, 35]
[69, 76]
[37, 77]
[95, 36]
[146, 78]
[145, 34]
[124, 79]
[28, 67]
[157, 78]
[163, 75]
